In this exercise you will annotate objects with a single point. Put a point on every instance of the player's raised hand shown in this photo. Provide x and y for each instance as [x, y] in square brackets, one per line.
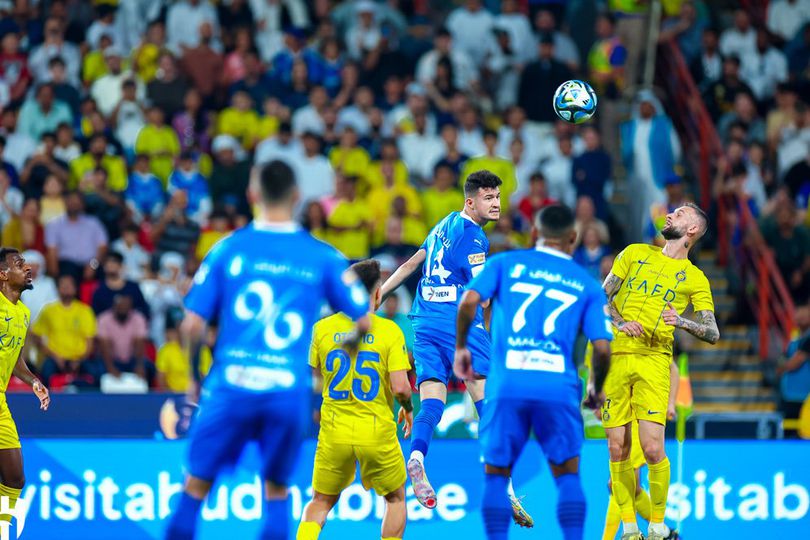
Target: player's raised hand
[670, 316]
[462, 364]
[406, 419]
[632, 328]
[42, 393]
[671, 412]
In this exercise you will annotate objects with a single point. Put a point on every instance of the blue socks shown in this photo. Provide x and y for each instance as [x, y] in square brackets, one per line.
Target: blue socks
[184, 521]
[495, 507]
[276, 519]
[479, 408]
[571, 506]
[429, 416]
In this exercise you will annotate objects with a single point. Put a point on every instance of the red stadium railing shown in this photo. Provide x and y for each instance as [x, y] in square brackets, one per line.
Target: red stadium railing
[772, 303]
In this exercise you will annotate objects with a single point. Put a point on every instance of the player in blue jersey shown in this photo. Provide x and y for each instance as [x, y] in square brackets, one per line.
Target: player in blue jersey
[453, 253]
[540, 301]
[265, 285]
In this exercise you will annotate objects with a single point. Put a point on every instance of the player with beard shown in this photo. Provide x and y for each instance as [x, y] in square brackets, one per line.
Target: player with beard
[648, 288]
[15, 277]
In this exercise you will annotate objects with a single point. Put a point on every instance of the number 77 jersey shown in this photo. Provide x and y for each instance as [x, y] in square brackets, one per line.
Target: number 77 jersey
[542, 300]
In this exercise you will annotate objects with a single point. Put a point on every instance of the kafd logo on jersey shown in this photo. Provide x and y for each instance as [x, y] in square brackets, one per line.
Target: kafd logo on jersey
[18, 512]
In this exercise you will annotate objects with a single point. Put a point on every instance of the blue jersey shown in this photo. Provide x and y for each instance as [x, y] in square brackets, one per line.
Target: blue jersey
[456, 250]
[265, 285]
[541, 299]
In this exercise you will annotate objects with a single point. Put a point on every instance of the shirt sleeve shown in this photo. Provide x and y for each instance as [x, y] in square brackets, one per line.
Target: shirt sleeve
[397, 352]
[596, 323]
[344, 291]
[206, 289]
[702, 294]
[622, 263]
[485, 282]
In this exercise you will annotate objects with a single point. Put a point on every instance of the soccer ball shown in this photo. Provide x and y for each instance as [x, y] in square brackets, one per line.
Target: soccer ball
[575, 101]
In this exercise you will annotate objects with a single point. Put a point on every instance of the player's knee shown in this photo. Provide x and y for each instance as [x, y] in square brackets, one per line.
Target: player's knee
[502, 471]
[617, 449]
[396, 496]
[274, 491]
[653, 450]
[197, 487]
[15, 481]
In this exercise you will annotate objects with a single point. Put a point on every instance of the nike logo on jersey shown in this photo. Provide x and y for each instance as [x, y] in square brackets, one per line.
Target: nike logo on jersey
[7, 319]
[652, 412]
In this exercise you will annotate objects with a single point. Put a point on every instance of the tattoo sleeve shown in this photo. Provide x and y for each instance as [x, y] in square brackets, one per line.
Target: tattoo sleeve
[705, 330]
[611, 287]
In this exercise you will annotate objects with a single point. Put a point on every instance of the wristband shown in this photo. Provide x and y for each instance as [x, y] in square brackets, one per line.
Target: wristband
[408, 406]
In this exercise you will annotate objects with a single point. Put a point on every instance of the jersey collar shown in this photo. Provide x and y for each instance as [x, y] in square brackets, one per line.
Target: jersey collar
[276, 226]
[464, 215]
[544, 249]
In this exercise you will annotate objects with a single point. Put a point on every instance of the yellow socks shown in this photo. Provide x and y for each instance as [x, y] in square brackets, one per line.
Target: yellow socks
[643, 504]
[624, 489]
[613, 519]
[659, 487]
[308, 530]
[12, 495]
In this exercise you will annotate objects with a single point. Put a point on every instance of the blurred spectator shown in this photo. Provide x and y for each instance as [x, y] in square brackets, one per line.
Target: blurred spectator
[102, 202]
[503, 237]
[24, 230]
[66, 149]
[707, 67]
[64, 333]
[183, 20]
[316, 178]
[745, 115]
[420, 149]
[107, 90]
[308, 118]
[471, 27]
[270, 17]
[585, 214]
[14, 70]
[294, 51]
[651, 150]
[783, 116]
[790, 243]
[389, 161]
[349, 158]
[146, 58]
[381, 200]
[41, 165]
[43, 113]
[516, 24]
[795, 372]
[103, 25]
[502, 168]
[54, 45]
[797, 180]
[364, 35]
[451, 155]
[632, 26]
[390, 309]
[592, 172]
[202, 64]
[606, 62]
[122, 335]
[283, 146]
[76, 242]
[719, 97]
[144, 195]
[403, 232]
[786, 17]
[657, 219]
[234, 62]
[313, 220]
[98, 157]
[193, 123]
[168, 90]
[470, 133]
[537, 198]
[187, 177]
[591, 251]
[686, 30]
[740, 39]
[165, 295]
[502, 69]
[239, 120]
[525, 166]
[159, 142]
[358, 113]
[350, 221]
[19, 145]
[330, 65]
[558, 172]
[94, 65]
[795, 142]
[540, 80]
[172, 364]
[136, 260]
[52, 202]
[174, 231]
[114, 284]
[463, 71]
[515, 127]
[11, 200]
[443, 197]
[128, 117]
[565, 50]
[764, 67]
[231, 171]
[295, 93]
[251, 77]
[798, 52]
[7, 167]
[44, 290]
[219, 226]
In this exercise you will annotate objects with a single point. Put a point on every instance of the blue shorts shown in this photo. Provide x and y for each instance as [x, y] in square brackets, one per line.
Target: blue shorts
[434, 348]
[226, 422]
[507, 423]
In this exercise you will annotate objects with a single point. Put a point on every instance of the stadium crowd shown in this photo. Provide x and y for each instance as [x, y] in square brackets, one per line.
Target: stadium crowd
[129, 130]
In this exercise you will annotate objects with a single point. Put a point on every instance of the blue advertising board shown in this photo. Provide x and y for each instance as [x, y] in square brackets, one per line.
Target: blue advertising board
[125, 489]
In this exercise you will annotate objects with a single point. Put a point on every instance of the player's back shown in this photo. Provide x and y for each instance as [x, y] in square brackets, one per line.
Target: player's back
[455, 249]
[357, 396]
[265, 285]
[542, 301]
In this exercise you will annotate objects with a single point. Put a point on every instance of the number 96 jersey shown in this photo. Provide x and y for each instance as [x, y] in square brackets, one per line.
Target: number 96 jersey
[357, 398]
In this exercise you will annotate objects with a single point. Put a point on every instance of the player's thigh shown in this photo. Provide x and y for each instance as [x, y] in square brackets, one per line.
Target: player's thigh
[382, 467]
[651, 388]
[282, 428]
[479, 344]
[433, 353]
[617, 411]
[219, 432]
[559, 430]
[503, 431]
[9, 438]
[334, 467]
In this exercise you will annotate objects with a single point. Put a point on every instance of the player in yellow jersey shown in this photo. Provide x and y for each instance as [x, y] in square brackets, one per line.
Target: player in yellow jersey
[15, 277]
[357, 423]
[648, 288]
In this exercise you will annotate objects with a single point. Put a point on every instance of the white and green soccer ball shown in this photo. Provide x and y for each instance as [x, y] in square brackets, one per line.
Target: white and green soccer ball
[575, 101]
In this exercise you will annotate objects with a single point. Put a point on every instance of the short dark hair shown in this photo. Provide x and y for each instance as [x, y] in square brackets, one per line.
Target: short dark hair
[478, 180]
[369, 273]
[702, 217]
[56, 61]
[554, 221]
[277, 181]
[115, 256]
[4, 253]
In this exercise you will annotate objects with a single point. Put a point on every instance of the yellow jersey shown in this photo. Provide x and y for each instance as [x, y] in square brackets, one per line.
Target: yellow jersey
[650, 281]
[66, 329]
[357, 397]
[13, 328]
[173, 362]
[353, 244]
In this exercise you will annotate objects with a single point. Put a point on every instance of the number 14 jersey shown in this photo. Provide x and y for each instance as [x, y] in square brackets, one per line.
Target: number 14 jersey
[357, 397]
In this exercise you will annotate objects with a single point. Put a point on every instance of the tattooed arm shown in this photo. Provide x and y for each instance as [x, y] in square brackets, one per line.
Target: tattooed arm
[611, 287]
[705, 330]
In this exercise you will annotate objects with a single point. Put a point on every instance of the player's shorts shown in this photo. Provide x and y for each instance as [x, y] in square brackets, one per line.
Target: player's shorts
[382, 467]
[434, 347]
[226, 422]
[507, 423]
[8, 429]
[636, 387]
[636, 453]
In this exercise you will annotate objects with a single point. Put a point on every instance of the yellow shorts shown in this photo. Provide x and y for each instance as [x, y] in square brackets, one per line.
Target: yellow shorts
[382, 467]
[8, 429]
[637, 387]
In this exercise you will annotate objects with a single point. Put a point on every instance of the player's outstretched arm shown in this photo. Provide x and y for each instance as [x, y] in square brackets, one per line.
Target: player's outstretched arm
[402, 273]
[611, 287]
[705, 330]
[192, 330]
[22, 372]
